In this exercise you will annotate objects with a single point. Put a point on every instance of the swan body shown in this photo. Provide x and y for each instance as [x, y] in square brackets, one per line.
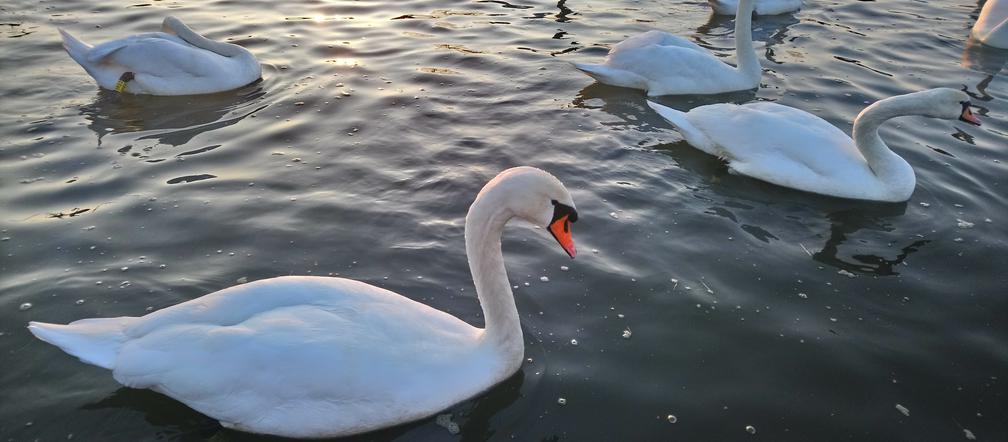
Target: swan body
[761, 7]
[991, 28]
[175, 61]
[664, 64]
[312, 357]
[792, 148]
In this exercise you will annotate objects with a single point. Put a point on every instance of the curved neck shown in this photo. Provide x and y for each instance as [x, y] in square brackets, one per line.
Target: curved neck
[882, 161]
[748, 61]
[191, 37]
[484, 224]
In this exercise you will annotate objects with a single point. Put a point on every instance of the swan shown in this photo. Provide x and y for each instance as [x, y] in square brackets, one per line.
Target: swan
[311, 357]
[761, 7]
[991, 28]
[664, 64]
[175, 61]
[793, 148]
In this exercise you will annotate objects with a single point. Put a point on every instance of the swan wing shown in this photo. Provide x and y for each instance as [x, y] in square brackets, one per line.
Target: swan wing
[303, 356]
[678, 70]
[783, 145]
[655, 38]
[164, 55]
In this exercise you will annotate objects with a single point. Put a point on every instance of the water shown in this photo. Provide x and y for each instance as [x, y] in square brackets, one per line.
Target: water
[806, 317]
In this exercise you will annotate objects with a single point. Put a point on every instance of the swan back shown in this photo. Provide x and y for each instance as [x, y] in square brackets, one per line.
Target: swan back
[175, 62]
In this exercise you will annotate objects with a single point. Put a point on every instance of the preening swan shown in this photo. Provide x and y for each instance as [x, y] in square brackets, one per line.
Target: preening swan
[664, 64]
[793, 148]
[175, 61]
[761, 7]
[312, 357]
[991, 27]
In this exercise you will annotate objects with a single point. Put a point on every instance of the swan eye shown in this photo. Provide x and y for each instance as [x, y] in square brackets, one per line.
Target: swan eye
[561, 210]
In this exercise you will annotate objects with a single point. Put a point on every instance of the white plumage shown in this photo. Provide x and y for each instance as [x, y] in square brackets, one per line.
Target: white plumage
[664, 64]
[991, 27]
[316, 357]
[761, 7]
[176, 61]
[793, 148]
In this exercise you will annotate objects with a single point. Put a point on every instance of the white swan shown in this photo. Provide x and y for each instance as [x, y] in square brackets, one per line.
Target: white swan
[793, 148]
[664, 64]
[991, 28]
[762, 7]
[303, 356]
[176, 61]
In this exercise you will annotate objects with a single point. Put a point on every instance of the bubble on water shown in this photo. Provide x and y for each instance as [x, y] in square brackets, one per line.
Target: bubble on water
[573, 341]
[969, 434]
[672, 419]
[750, 429]
[124, 268]
[925, 205]
[846, 273]
[902, 409]
[242, 280]
[445, 420]
[544, 279]
[958, 239]
[163, 266]
[79, 301]
[627, 333]
[613, 215]
[962, 224]
[562, 401]
[564, 268]
[25, 306]
[803, 296]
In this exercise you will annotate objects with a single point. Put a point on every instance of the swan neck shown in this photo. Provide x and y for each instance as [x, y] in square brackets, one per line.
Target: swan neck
[224, 49]
[748, 61]
[484, 225]
[882, 160]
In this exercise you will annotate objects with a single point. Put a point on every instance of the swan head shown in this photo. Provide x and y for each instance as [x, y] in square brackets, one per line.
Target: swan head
[949, 104]
[537, 197]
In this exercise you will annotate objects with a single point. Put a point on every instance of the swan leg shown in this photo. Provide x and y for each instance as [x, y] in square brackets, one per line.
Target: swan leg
[126, 77]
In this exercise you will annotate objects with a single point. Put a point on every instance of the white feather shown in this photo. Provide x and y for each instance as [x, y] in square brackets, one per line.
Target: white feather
[793, 148]
[177, 61]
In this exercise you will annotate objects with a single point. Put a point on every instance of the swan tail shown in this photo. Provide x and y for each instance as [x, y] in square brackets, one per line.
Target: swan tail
[77, 49]
[608, 75]
[691, 133]
[95, 341]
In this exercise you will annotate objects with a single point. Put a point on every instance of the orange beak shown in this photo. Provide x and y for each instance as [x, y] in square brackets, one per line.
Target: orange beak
[560, 228]
[967, 114]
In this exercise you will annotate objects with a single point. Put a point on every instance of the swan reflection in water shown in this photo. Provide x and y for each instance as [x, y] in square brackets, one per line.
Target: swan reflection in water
[843, 225]
[169, 120]
[771, 29]
[989, 60]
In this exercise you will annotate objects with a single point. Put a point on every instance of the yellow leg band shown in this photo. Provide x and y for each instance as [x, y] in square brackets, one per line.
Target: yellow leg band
[120, 86]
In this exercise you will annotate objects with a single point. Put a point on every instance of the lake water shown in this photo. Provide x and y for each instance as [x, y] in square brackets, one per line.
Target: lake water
[375, 124]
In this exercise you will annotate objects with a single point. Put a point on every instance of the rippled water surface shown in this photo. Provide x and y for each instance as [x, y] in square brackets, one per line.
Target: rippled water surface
[375, 124]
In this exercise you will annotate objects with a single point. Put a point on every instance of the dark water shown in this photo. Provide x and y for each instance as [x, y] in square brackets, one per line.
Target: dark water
[807, 317]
